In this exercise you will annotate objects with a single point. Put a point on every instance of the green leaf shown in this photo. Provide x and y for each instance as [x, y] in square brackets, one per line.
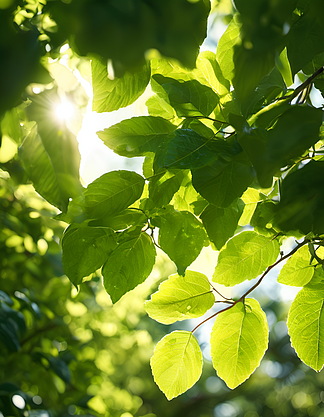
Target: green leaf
[123, 220]
[163, 187]
[110, 95]
[296, 130]
[301, 205]
[306, 327]
[51, 163]
[137, 136]
[210, 70]
[10, 125]
[176, 363]
[49, 152]
[251, 197]
[188, 98]
[128, 265]
[158, 107]
[221, 183]
[180, 298]
[283, 66]
[250, 67]
[269, 87]
[245, 256]
[8, 332]
[238, 341]
[181, 236]
[221, 223]
[297, 272]
[225, 51]
[186, 149]
[112, 193]
[306, 36]
[85, 249]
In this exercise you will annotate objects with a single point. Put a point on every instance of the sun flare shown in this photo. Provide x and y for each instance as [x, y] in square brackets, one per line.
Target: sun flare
[64, 111]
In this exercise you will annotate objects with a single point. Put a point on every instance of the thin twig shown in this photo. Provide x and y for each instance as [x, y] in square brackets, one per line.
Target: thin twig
[302, 86]
[306, 241]
[225, 298]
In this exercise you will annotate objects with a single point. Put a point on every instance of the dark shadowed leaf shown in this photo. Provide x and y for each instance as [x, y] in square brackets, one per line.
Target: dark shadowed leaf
[128, 265]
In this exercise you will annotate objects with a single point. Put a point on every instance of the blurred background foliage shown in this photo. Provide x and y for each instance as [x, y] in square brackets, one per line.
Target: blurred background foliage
[64, 352]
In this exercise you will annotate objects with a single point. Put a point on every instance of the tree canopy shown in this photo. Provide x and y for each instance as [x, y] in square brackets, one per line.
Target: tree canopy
[233, 159]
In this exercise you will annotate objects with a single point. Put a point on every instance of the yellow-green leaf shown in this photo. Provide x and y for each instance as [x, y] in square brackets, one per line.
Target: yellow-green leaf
[245, 256]
[297, 272]
[181, 298]
[306, 327]
[238, 341]
[176, 363]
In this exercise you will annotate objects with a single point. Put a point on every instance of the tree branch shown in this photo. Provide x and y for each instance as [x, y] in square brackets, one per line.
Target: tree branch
[306, 241]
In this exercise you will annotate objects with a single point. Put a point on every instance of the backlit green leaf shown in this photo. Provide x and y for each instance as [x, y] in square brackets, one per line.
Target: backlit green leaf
[221, 223]
[238, 341]
[181, 236]
[221, 183]
[181, 298]
[109, 95]
[187, 149]
[225, 51]
[245, 256]
[176, 363]
[128, 265]
[306, 327]
[49, 152]
[250, 197]
[112, 193]
[136, 136]
[209, 68]
[163, 187]
[51, 163]
[188, 98]
[297, 271]
[85, 249]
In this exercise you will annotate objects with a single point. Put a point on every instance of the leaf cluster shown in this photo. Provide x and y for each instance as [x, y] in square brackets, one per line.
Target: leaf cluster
[228, 144]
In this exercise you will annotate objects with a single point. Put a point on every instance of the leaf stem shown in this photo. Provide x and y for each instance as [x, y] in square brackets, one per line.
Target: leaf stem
[302, 86]
[214, 289]
[241, 299]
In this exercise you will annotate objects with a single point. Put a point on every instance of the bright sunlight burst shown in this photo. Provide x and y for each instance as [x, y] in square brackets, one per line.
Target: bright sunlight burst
[65, 110]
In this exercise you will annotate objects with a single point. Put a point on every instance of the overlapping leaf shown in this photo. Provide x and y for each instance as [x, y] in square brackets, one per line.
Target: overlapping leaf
[49, 153]
[221, 223]
[136, 136]
[188, 98]
[181, 298]
[245, 256]
[181, 236]
[297, 271]
[222, 183]
[187, 149]
[109, 95]
[238, 341]
[306, 327]
[128, 265]
[112, 193]
[176, 363]
[85, 249]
